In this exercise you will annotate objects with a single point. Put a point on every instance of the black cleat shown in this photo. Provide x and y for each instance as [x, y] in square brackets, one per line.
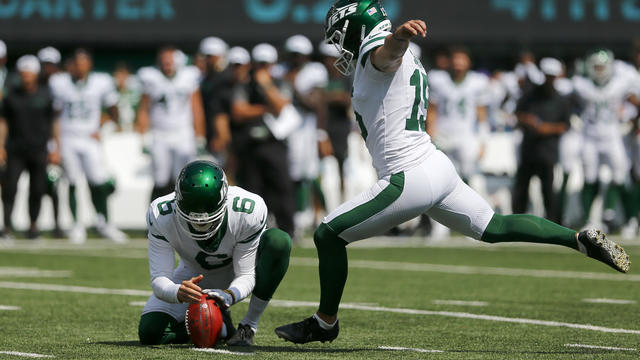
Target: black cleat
[243, 336]
[226, 319]
[307, 330]
[594, 244]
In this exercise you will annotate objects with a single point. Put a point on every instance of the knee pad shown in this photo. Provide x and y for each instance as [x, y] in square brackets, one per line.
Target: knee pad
[277, 242]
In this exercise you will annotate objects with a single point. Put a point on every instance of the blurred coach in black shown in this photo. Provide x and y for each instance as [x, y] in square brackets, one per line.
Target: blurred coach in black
[543, 115]
[262, 158]
[26, 125]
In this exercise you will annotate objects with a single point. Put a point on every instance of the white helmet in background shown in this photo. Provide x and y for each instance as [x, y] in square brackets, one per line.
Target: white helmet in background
[599, 66]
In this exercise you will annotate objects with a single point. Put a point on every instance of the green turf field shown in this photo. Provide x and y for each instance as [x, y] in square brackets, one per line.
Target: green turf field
[510, 302]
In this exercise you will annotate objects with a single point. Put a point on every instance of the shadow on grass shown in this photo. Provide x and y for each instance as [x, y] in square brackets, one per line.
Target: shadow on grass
[130, 343]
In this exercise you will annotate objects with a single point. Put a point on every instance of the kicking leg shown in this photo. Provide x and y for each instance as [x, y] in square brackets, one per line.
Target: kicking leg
[464, 211]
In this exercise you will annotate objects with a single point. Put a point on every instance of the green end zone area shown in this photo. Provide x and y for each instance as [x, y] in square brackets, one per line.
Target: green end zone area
[488, 302]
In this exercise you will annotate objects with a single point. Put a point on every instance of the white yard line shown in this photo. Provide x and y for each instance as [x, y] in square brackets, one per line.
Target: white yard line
[396, 348]
[137, 303]
[23, 354]
[461, 315]
[610, 301]
[221, 351]
[70, 288]
[9, 307]
[33, 272]
[473, 270]
[460, 303]
[598, 347]
[291, 303]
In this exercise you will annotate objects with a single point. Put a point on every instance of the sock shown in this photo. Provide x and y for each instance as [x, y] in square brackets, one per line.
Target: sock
[272, 262]
[333, 268]
[99, 195]
[223, 332]
[256, 307]
[73, 206]
[528, 228]
[323, 324]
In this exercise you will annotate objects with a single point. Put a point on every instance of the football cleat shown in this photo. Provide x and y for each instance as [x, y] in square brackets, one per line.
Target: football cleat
[594, 244]
[243, 336]
[112, 233]
[77, 234]
[307, 330]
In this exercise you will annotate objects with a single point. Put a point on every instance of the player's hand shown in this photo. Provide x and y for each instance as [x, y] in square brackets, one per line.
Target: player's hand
[410, 29]
[325, 148]
[189, 292]
[3, 156]
[55, 157]
[223, 298]
[263, 77]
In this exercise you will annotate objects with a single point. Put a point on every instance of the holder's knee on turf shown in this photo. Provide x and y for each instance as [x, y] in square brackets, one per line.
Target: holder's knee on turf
[157, 328]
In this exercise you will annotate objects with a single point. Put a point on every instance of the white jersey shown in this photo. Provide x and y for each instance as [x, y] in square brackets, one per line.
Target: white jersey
[457, 103]
[170, 97]
[235, 244]
[391, 110]
[603, 105]
[81, 102]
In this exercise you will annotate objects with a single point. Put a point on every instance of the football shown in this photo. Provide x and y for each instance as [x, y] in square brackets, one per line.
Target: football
[204, 322]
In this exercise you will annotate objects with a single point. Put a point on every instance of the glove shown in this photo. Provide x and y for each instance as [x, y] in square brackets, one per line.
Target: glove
[224, 298]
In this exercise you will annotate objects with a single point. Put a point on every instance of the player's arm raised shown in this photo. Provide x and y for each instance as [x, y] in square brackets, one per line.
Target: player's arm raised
[388, 57]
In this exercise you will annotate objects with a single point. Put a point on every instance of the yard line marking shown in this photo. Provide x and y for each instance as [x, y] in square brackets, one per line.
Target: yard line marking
[462, 315]
[460, 303]
[137, 303]
[473, 270]
[23, 354]
[396, 348]
[291, 303]
[221, 351]
[9, 307]
[71, 288]
[610, 301]
[598, 347]
[6, 271]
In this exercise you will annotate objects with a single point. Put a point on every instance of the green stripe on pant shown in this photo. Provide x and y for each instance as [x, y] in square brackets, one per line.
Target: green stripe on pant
[332, 251]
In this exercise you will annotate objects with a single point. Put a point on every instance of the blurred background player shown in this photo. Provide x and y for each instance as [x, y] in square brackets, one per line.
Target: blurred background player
[457, 117]
[215, 87]
[338, 97]
[50, 65]
[3, 68]
[603, 93]
[261, 114]
[26, 126]
[543, 115]
[129, 92]
[80, 96]
[308, 81]
[171, 108]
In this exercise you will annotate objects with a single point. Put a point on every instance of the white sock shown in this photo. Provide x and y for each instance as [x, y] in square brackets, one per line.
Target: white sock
[223, 333]
[256, 307]
[323, 324]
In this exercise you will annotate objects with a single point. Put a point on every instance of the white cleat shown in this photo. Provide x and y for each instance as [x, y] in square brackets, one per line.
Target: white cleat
[630, 230]
[112, 233]
[78, 234]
